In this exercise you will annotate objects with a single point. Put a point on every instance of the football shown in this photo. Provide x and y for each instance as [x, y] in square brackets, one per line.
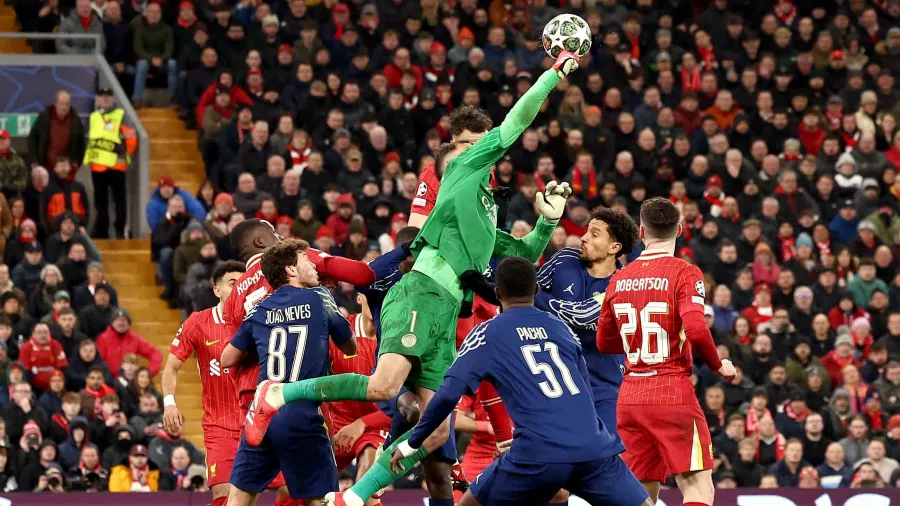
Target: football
[566, 32]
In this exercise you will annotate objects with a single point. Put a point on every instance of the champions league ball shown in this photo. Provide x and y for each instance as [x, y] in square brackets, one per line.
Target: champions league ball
[566, 32]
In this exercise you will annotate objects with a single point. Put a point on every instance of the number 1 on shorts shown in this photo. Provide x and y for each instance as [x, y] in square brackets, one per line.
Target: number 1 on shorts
[412, 323]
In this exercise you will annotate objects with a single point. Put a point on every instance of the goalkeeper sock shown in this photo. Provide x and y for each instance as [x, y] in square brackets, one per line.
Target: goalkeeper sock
[340, 387]
[380, 474]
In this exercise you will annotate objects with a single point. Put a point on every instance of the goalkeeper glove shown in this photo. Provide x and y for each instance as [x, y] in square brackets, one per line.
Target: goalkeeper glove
[552, 201]
[476, 282]
[566, 62]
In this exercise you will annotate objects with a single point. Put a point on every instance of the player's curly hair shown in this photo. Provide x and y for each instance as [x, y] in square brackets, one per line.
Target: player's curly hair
[620, 226]
[469, 118]
[280, 256]
[227, 267]
[660, 218]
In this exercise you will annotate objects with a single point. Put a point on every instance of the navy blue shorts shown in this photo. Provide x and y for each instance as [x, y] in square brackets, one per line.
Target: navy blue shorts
[446, 453]
[305, 458]
[510, 483]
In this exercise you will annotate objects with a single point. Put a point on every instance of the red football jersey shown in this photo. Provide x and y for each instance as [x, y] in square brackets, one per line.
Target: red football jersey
[205, 334]
[642, 316]
[427, 192]
[42, 361]
[248, 290]
[344, 413]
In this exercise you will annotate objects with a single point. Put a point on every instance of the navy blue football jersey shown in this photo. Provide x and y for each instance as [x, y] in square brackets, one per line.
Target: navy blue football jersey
[536, 363]
[289, 331]
[573, 295]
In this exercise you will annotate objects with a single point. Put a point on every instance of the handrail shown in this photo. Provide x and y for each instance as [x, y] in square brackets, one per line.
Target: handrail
[53, 36]
[138, 175]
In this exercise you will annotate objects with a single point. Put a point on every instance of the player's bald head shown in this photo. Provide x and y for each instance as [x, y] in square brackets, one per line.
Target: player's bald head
[659, 219]
[516, 280]
[252, 236]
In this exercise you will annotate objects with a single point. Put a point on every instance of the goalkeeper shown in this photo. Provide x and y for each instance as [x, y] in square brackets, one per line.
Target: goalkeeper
[420, 312]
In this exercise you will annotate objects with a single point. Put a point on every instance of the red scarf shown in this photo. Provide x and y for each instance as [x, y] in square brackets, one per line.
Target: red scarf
[779, 446]
[541, 184]
[298, 159]
[788, 17]
[787, 248]
[690, 80]
[824, 248]
[752, 423]
[225, 113]
[635, 46]
[85, 470]
[850, 139]
[270, 219]
[875, 420]
[715, 203]
[98, 394]
[61, 420]
[187, 23]
[85, 22]
[862, 344]
[140, 474]
[708, 57]
[797, 417]
[683, 200]
[834, 120]
[578, 187]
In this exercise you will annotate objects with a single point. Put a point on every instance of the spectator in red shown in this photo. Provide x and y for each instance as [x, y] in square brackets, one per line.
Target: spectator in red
[839, 357]
[583, 178]
[268, 210]
[226, 81]
[855, 386]
[576, 223]
[339, 222]
[400, 63]
[96, 387]
[42, 356]
[845, 312]
[760, 311]
[811, 132]
[118, 340]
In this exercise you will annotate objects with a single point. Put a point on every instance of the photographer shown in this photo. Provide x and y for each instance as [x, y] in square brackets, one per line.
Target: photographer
[37, 468]
[52, 480]
[89, 475]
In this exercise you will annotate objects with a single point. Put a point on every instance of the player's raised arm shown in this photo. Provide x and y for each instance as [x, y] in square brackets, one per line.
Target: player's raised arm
[527, 107]
[551, 203]
[690, 299]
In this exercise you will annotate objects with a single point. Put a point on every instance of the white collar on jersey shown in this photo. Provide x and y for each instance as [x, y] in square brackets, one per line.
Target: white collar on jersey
[649, 254]
[253, 260]
[218, 319]
[360, 329]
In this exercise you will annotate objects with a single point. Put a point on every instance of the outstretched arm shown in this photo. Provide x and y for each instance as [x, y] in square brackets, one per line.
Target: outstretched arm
[531, 246]
[527, 108]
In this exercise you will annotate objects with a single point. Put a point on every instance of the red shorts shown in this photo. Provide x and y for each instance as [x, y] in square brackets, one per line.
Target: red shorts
[373, 437]
[477, 457]
[220, 452]
[663, 441]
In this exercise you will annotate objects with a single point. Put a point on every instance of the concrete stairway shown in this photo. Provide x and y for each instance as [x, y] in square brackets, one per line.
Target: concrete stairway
[173, 152]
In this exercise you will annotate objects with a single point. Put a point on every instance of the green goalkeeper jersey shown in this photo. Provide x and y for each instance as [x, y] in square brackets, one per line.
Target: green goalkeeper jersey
[462, 228]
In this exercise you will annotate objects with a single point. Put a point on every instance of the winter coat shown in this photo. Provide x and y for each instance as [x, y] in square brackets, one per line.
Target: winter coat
[113, 346]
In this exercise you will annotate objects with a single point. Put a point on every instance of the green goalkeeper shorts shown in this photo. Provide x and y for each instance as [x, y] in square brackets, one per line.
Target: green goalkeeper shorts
[418, 319]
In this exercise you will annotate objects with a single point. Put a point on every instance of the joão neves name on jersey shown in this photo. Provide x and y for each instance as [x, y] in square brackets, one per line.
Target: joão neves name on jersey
[641, 284]
[288, 314]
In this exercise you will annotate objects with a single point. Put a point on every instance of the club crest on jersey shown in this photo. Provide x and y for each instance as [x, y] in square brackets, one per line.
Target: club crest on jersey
[409, 340]
[422, 190]
[701, 288]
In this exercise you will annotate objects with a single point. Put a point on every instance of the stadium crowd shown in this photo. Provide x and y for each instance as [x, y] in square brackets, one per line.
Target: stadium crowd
[772, 125]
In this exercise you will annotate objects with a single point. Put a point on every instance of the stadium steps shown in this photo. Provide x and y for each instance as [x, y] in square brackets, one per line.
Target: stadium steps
[173, 149]
[173, 152]
[8, 24]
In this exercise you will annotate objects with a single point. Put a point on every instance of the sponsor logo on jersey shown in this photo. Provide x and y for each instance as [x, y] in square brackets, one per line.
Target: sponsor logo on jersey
[210, 343]
[215, 368]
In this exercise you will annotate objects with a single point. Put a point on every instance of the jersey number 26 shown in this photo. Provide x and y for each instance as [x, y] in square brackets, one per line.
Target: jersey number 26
[649, 330]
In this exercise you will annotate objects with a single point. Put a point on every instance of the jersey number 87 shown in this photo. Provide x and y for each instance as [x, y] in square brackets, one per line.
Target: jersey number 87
[276, 365]
[649, 330]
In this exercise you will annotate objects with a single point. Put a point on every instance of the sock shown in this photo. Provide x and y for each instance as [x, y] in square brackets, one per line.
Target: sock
[380, 474]
[695, 504]
[440, 502]
[340, 387]
[220, 501]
